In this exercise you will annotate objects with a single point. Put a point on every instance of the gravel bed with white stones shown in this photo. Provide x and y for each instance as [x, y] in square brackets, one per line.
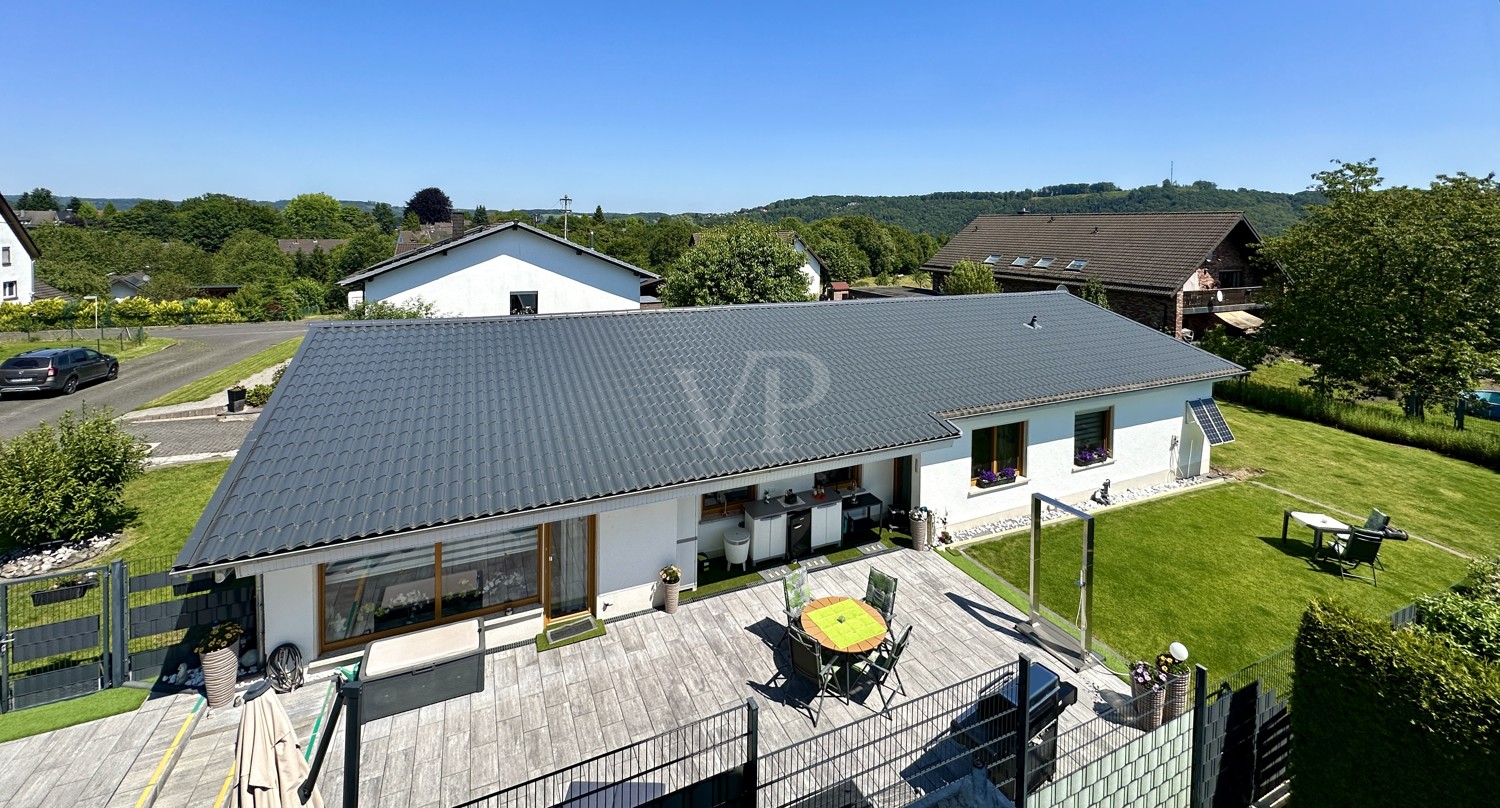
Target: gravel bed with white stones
[1049, 513]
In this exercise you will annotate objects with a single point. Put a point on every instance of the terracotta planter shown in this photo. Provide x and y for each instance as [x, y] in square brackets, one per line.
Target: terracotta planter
[669, 603]
[220, 670]
[1149, 706]
[1176, 697]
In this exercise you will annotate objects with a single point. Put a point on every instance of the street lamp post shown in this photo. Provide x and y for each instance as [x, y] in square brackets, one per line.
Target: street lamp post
[98, 334]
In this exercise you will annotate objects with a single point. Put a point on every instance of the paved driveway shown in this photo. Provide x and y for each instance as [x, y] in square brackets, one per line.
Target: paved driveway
[200, 350]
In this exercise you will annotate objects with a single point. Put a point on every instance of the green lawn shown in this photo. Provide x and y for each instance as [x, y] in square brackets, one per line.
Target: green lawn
[1285, 373]
[111, 347]
[1208, 568]
[1449, 501]
[105, 703]
[221, 380]
[166, 503]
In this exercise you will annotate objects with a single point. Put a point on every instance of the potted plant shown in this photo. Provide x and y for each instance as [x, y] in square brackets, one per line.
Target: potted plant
[987, 478]
[671, 580]
[919, 527]
[1147, 687]
[67, 587]
[1176, 672]
[219, 651]
[236, 398]
[1008, 474]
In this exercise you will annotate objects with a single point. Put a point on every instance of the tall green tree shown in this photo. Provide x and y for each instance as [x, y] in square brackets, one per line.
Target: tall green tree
[1393, 291]
[209, 220]
[385, 217]
[37, 199]
[745, 262]
[599, 214]
[431, 205]
[481, 216]
[74, 204]
[970, 278]
[367, 248]
[314, 216]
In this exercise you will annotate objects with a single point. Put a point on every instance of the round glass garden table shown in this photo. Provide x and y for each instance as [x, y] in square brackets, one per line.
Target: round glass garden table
[844, 625]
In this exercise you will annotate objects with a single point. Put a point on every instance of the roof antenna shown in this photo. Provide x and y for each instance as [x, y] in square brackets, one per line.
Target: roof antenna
[1051, 218]
[1096, 228]
[1033, 323]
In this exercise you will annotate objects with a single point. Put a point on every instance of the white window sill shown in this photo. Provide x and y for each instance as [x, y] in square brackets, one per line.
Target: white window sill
[976, 491]
[1092, 466]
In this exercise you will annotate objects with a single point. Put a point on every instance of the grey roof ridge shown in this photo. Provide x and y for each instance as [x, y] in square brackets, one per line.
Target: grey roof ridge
[215, 503]
[474, 235]
[1039, 214]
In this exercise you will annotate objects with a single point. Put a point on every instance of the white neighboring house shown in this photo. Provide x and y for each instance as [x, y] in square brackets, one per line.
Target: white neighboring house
[527, 470]
[129, 285]
[17, 255]
[510, 268]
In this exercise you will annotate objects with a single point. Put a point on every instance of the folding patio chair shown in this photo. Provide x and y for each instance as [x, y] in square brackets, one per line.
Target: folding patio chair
[821, 669]
[798, 595]
[1359, 546]
[880, 592]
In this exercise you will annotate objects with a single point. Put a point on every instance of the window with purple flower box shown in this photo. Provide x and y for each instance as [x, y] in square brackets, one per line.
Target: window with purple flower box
[998, 454]
[1092, 432]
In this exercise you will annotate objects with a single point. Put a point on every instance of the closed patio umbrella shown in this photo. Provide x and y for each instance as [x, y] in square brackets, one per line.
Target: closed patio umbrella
[269, 756]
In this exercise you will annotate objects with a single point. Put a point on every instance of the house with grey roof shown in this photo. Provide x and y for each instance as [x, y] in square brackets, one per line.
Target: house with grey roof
[128, 284]
[532, 469]
[1180, 272]
[501, 269]
[17, 254]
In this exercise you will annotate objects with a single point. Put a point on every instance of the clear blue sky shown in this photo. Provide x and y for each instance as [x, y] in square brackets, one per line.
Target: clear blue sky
[715, 106]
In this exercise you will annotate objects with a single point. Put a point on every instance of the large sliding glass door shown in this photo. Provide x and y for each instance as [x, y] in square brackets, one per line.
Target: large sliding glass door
[570, 567]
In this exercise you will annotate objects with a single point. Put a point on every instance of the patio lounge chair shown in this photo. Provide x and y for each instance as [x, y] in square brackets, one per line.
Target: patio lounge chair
[880, 592]
[810, 663]
[798, 595]
[880, 666]
[1359, 546]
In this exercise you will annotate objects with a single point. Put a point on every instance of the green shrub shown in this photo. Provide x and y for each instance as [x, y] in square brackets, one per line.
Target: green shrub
[258, 395]
[1480, 448]
[1384, 717]
[1469, 616]
[65, 483]
[381, 310]
[970, 278]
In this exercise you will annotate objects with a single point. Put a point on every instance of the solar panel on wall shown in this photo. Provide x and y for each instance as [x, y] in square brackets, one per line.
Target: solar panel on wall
[1206, 413]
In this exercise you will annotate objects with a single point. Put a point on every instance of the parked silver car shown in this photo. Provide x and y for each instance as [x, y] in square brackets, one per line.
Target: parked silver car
[55, 369]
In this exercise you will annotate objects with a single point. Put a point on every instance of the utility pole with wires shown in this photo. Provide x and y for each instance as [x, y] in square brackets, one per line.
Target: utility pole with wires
[565, 202]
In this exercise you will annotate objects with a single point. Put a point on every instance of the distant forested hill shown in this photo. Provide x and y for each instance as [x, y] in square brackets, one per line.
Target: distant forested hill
[942, 214]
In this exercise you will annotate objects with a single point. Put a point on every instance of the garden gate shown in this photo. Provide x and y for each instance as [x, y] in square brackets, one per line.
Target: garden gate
[54, 637]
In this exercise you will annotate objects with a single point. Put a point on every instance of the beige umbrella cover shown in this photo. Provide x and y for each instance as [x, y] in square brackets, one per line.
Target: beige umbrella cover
[270, 758]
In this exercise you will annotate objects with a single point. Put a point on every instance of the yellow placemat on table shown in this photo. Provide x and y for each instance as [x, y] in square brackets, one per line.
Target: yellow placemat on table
[856, 627]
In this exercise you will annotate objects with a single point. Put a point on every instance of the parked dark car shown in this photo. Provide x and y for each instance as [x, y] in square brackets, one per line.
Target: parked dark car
[55, 369]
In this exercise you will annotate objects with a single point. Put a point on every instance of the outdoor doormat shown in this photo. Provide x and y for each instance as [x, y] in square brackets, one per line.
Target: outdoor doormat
[776, 573]
[568, 633]
[871, 547]
[814, 562]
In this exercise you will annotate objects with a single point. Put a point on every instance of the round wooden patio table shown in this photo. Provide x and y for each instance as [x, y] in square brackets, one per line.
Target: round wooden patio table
[860, 630]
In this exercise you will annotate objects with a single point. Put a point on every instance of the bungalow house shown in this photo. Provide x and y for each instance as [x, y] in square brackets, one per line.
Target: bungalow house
[17, 253]
[812, 266]
[127, 285]
[531, 469]
[1181, 273]
[509, 268]
[306, 246]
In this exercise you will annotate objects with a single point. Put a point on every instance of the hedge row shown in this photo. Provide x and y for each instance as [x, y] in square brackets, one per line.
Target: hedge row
[53, 313]
[1384, 717]
[1481, 448]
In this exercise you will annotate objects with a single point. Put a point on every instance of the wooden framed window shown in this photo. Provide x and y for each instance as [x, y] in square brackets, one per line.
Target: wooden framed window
[380, 595]
[839, 479]
[1093, 431]
[720, 504]
[997, 448]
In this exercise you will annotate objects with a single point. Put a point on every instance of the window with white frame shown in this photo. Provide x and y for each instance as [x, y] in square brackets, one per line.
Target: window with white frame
[10, 291]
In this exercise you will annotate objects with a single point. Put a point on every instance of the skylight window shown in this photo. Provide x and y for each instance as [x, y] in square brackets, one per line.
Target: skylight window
[1043, 263]
[1021, 262]
[1078, 263]
[994, 259]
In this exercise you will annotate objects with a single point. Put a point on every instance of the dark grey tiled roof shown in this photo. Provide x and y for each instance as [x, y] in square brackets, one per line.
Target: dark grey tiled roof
[385, 426]
[1147, 251]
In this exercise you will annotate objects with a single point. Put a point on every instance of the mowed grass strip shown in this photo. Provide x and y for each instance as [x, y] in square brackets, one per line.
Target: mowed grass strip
[49, 717]
[165, 503]
[112, 347]
[1208, 569]
[221, 380]
[1452, 502]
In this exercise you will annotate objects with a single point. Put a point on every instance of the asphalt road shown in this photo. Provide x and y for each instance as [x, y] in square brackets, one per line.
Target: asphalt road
[200, 350]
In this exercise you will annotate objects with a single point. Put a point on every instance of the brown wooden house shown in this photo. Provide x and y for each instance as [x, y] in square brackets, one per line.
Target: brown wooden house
[1181, 272]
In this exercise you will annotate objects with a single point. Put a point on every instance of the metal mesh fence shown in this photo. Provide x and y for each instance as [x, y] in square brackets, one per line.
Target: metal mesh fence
[704, 759]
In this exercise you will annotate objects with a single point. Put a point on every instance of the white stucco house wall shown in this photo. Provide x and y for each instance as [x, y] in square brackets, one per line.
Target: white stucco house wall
[532, 469]
[509, 268]
[18, 254]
